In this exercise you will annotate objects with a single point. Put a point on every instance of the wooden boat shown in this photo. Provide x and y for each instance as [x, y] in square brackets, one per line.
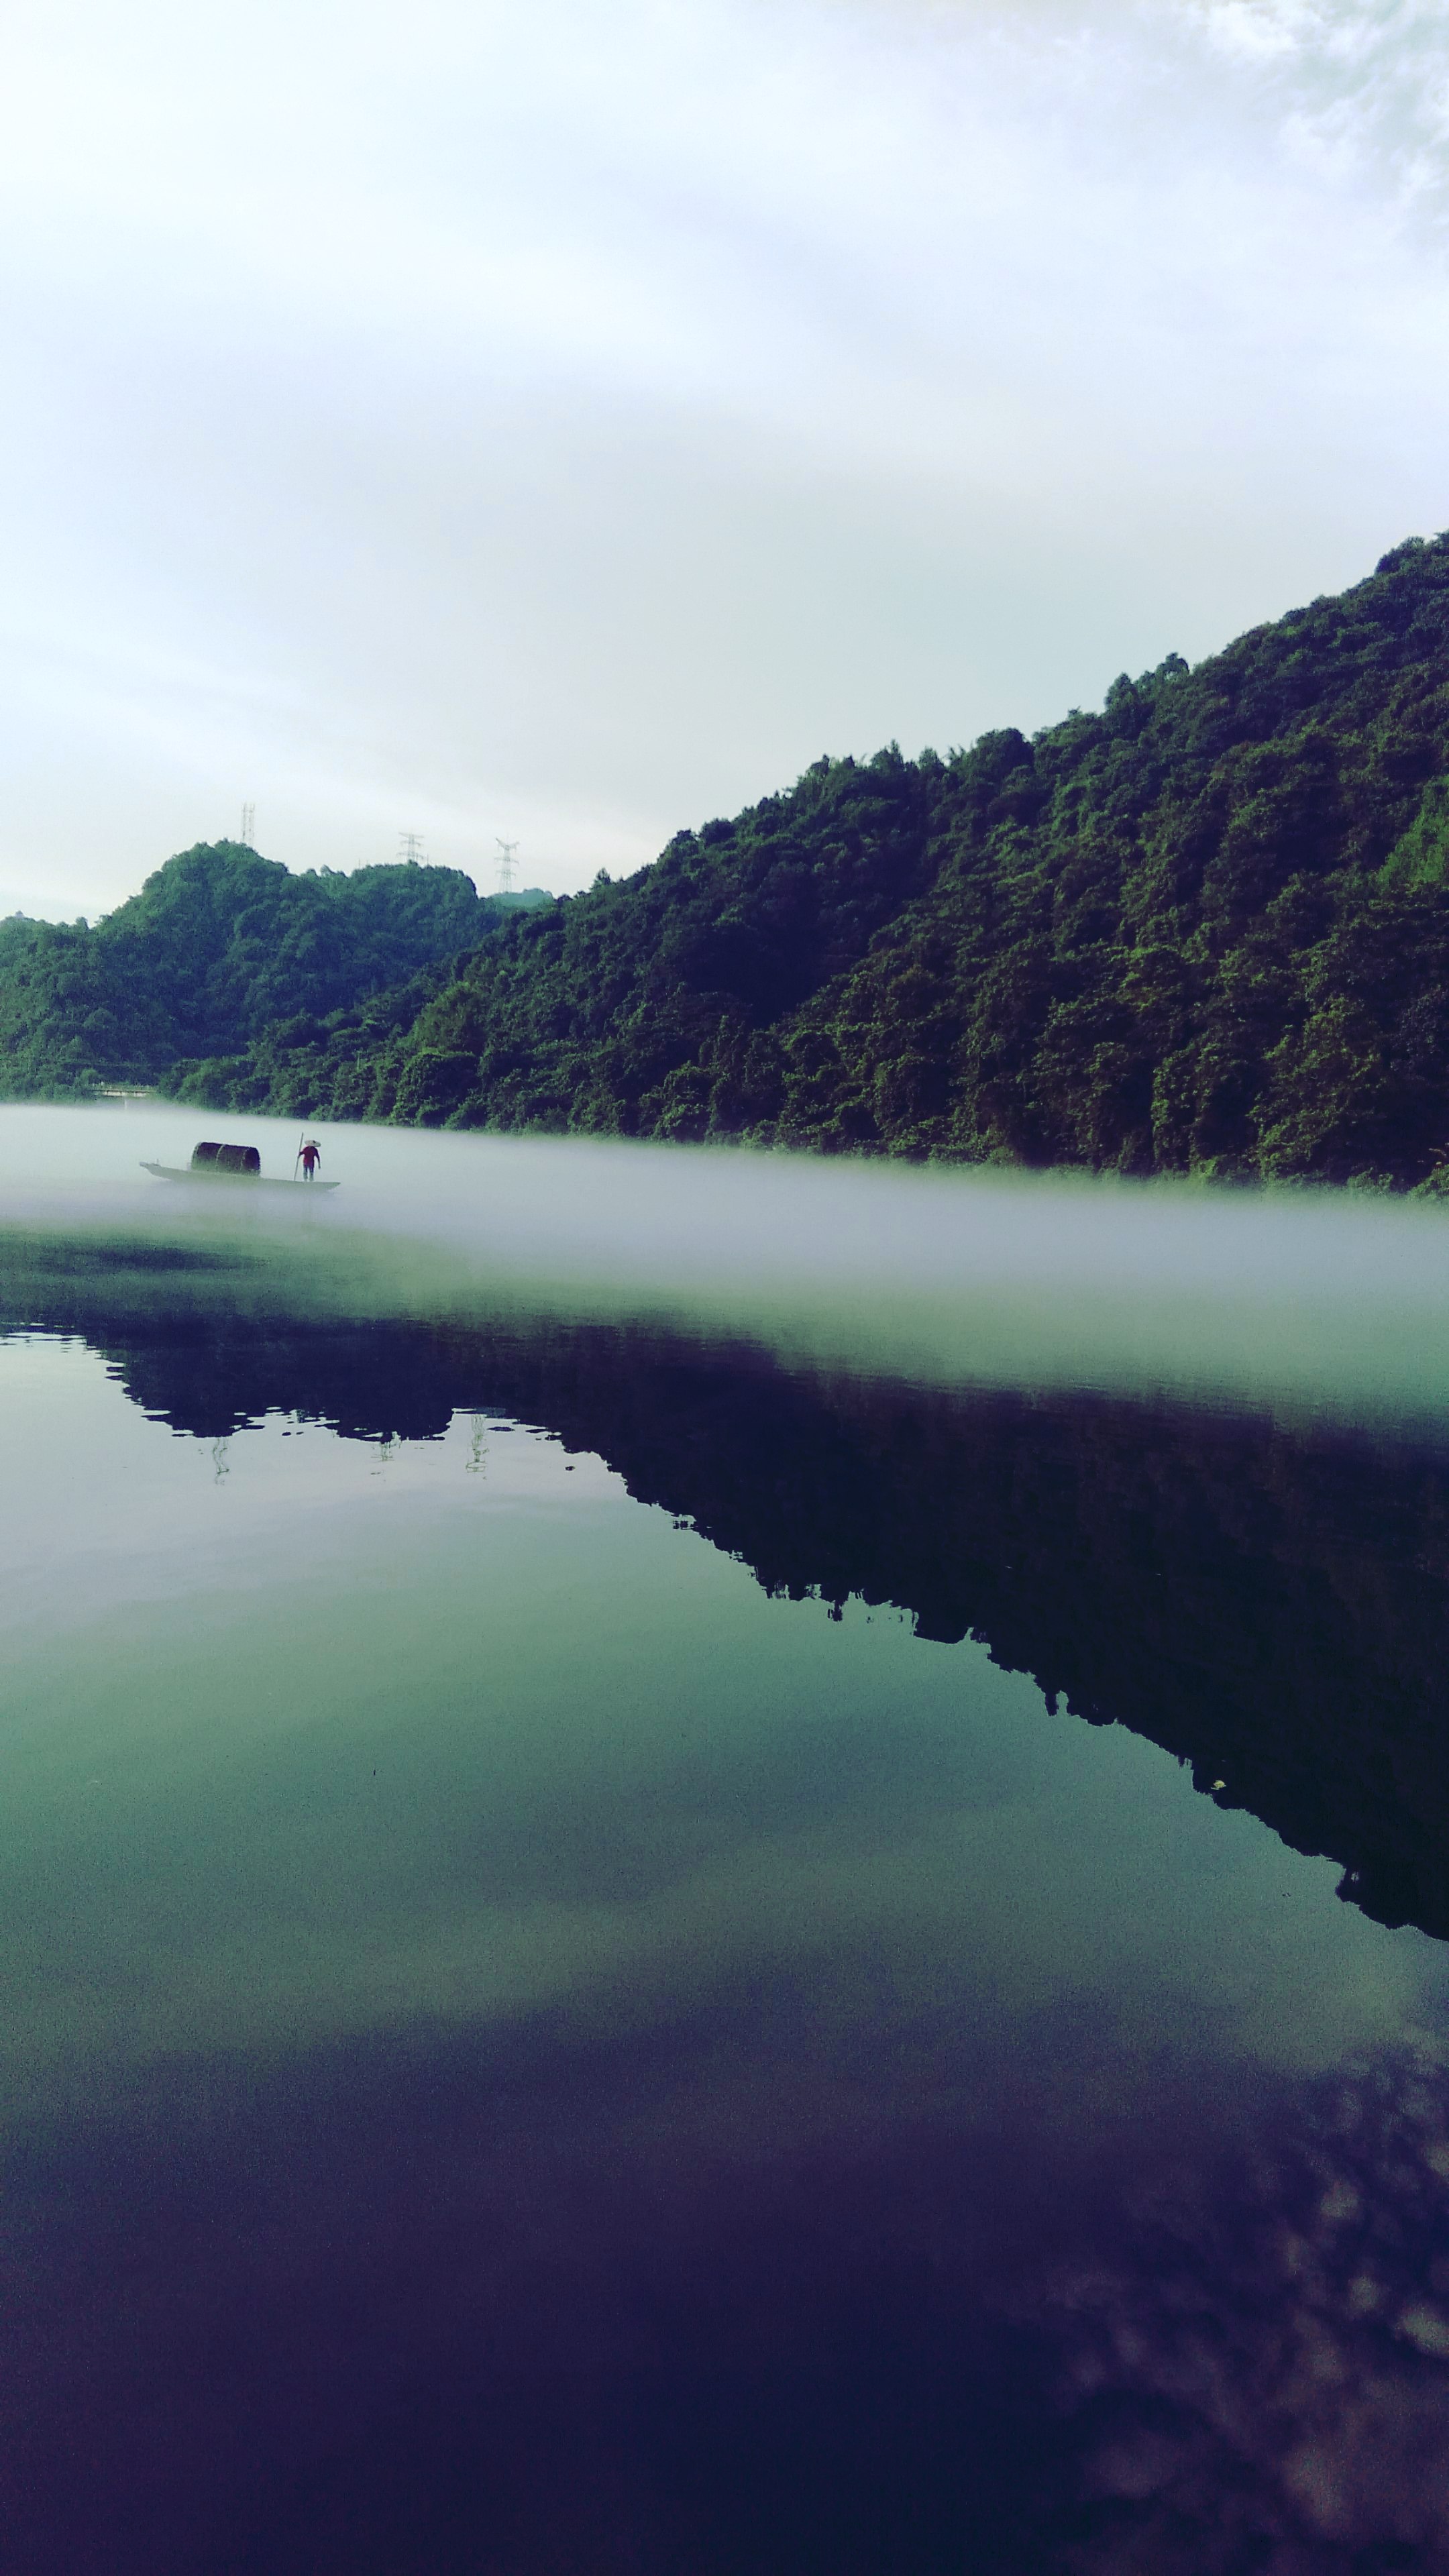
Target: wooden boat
[241, 1165]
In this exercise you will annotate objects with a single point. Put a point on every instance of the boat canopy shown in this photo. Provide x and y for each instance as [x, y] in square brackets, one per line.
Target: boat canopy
[226, 1158]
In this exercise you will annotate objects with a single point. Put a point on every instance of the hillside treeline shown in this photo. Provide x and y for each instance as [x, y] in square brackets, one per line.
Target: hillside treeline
[1205, 929]
[218, 944]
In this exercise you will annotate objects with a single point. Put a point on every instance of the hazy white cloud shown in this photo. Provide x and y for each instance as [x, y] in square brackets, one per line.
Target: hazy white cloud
[567, 424]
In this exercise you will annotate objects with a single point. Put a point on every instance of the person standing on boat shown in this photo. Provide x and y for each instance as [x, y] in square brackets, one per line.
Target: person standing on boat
[309, 1158]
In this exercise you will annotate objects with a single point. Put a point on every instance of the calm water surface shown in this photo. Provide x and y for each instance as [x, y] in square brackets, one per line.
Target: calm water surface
[707, 1867]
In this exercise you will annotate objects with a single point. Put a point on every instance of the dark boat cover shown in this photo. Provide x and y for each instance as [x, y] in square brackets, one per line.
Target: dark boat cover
[226, 1158]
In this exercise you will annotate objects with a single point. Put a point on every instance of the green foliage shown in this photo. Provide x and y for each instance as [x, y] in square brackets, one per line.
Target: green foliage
[1206, 930]
[1422, 856]
[632, 1009]
[216, 947]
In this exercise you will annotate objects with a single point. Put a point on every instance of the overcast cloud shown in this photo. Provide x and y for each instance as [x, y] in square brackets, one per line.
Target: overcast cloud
[565, 423]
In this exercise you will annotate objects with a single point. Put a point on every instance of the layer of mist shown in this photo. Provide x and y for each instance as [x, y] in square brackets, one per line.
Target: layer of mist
[1311, 1303]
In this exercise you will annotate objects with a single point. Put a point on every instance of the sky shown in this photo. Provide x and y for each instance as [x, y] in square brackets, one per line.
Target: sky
[562, 424]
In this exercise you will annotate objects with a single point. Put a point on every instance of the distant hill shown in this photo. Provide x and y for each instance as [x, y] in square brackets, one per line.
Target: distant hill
[218, 945]
[1205, 929]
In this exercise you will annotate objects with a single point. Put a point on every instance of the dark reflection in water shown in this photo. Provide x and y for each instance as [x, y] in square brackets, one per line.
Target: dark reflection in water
[406, 2313]
[466, 2319]
[1271, 1607]
[443, 2302]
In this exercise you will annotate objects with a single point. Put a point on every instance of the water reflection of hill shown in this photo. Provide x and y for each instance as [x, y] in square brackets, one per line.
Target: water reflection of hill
[1274, 1609]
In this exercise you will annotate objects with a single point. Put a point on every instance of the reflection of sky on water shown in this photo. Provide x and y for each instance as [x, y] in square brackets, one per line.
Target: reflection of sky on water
[511, 2029]
[1245, 2371]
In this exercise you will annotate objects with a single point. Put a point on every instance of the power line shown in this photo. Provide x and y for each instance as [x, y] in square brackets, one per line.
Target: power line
[505, 865]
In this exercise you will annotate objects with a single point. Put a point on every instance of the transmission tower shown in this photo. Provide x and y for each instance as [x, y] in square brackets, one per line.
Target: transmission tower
[249, 816]
[505, 865]
[410, 848]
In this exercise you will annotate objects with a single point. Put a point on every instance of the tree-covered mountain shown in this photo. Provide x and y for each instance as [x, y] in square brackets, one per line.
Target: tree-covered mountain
[218, 944]
[1204, 930]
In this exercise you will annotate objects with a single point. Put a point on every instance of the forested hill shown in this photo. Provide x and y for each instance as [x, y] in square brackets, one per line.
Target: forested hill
[218, 944]
[1204, 929]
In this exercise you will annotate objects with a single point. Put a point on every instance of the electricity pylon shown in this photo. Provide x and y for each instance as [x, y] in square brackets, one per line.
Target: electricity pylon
[505, 865]
[249, 817]
[410, 848]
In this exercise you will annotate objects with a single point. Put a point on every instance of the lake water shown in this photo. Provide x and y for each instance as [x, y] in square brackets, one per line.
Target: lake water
[713, 1867]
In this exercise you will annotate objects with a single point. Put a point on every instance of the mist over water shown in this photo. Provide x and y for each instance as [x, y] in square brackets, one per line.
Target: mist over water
[1309, 1302]
[711, 1863]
